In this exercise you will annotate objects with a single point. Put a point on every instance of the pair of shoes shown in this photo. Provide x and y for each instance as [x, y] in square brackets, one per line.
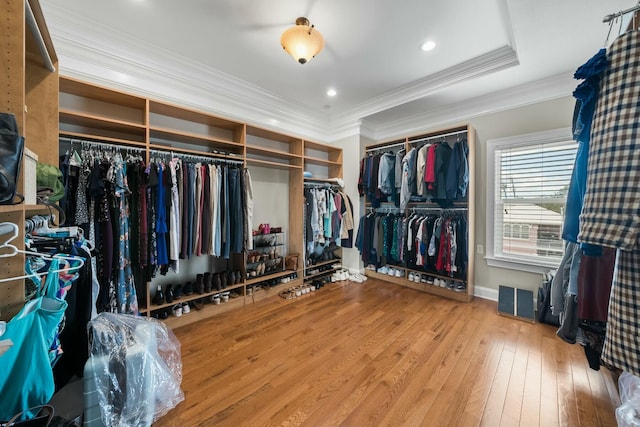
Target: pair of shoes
[412, 276]
[383, 270]
[357, 277]
[440, 282]
[339, 276]
[397, 272]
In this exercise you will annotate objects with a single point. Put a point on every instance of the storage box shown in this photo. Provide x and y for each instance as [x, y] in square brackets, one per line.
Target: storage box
[30, 160]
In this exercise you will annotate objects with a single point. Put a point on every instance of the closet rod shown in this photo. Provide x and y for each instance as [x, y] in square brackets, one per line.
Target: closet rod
[612, 16]
[440, 209]
[195, 156]
[443, 135]
[33, 26]
[105, 145]
[386, 147]
[321, 185]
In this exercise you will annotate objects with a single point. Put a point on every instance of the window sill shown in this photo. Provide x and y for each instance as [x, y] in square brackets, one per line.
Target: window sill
[520, 264]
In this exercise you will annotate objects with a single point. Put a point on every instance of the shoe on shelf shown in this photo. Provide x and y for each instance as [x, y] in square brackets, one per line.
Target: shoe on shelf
[168, 293]
[383, 270]
[208, 282]
[423, 278]
[187, 289]
[399, 272]
[411, 276]
[177, 310]
[461, 287]
[185, 308]
[391, 271]
[356, 277]
[177, 292]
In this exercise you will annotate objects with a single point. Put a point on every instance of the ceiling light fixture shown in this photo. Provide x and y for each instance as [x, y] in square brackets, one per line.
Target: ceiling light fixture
[428, 45]
[303, 41]
[332, 92]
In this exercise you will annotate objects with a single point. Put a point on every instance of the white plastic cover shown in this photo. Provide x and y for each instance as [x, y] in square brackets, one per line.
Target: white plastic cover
[628, 414]
[137, 368]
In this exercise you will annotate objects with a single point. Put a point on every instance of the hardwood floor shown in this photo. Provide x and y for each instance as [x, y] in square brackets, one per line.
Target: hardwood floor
[378, 354]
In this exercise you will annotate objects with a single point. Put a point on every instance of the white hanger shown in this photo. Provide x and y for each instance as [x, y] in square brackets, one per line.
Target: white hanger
[9, 227]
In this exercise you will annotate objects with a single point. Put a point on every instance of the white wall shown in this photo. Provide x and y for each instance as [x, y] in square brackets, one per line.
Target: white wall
[351, 154]
[533, 118]
[270, 197]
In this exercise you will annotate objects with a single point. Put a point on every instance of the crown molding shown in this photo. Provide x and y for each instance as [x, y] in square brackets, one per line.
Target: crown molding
[547, 89]
[141, 68]
[488, 63]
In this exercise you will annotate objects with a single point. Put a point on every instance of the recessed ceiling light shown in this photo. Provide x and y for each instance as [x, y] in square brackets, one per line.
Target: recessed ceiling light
[428, 45]
[332, 92]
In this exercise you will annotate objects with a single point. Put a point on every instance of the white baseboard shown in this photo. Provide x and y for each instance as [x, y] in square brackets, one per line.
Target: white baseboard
[485, 293]
[492, 294]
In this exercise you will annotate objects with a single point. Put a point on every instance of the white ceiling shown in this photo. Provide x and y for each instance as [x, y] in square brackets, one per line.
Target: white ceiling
[225, 55]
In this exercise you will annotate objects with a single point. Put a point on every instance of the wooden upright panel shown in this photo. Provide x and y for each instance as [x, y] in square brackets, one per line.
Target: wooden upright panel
[12, 59]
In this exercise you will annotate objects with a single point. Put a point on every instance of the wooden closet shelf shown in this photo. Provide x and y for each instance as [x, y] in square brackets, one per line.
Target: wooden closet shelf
[193, 116]
[321, 162]
[99, 122]
[269, 152]
[267, 163]
[267, 277]
[178, 150]
[104, 139]
[99, 93]
[320, 147]
[174, 135]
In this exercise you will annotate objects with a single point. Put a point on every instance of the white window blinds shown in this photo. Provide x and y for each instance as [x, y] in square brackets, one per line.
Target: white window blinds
[531, 184]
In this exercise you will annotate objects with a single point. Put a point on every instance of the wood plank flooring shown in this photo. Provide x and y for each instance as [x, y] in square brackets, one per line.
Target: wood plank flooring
[378, 354]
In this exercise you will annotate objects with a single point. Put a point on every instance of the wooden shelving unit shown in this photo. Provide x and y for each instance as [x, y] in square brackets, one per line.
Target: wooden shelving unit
[468, 203]
[29, 74]
[96, 113]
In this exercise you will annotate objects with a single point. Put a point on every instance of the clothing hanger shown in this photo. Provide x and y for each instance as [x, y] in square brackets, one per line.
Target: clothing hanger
[9, 227]
[66, 269]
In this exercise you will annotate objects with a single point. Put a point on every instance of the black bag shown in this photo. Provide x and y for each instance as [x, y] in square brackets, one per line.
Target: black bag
[544, 304]
[11, 147]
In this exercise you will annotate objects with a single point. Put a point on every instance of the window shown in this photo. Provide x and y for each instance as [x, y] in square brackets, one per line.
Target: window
[527, 182]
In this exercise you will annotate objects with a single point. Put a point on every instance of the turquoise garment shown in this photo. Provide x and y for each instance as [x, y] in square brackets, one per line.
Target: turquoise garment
[26, 377]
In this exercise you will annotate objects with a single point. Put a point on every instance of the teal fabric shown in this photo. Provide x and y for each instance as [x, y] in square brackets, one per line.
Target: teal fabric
[26, 378]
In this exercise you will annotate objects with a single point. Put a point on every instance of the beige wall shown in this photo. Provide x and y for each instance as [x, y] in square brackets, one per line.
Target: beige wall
[533, 118]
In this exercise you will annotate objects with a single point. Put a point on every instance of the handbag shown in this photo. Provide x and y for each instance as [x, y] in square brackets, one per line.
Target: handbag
[11, 148]
[26, 376]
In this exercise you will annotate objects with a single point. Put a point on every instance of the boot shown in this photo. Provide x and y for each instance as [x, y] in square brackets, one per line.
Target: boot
[187, 289]
[217, 283]
[199, 286]
[168, 293]
[208, 284]
[223, 280]
[231, 278]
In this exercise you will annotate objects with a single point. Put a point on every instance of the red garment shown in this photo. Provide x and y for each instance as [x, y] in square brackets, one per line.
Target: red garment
[430, 168]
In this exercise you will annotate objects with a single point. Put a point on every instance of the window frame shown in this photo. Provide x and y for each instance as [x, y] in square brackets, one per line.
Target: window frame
[517, 141]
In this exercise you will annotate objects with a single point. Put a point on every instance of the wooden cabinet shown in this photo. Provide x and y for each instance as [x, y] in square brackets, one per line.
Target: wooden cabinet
[450, 285]
[28, 70]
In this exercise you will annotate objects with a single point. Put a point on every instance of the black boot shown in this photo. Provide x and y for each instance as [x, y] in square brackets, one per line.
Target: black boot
[199, 285]
[168, 293]
[207, 282]
[217, 282]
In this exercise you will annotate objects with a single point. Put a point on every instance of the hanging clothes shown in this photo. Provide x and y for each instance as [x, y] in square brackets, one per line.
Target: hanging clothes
[611, 210]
